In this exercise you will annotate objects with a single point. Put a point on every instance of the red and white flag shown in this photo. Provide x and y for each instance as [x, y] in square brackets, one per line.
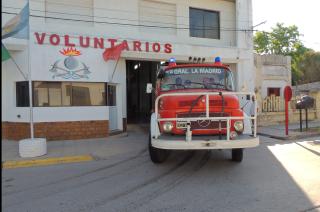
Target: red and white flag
[113, 53]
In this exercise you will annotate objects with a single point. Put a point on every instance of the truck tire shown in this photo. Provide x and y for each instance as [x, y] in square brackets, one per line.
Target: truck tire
[157, 155]
[237, 155]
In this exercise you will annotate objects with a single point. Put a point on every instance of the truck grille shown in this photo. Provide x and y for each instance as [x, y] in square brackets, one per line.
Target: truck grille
[205, 124]
[211, 103]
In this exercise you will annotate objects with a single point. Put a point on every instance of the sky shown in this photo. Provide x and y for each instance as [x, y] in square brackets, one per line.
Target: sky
[304, 14]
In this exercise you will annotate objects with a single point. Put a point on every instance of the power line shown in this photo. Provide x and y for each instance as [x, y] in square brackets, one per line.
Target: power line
[136, 25]
[95, 16]
[113, 10]
[119, 10]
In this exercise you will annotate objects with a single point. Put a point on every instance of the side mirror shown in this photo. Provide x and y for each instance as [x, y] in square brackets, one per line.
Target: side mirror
[161, 74]
[149, 88]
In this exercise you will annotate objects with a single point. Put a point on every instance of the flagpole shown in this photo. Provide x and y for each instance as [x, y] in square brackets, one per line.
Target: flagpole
[24, 76]
[114, 70]
[30, 80]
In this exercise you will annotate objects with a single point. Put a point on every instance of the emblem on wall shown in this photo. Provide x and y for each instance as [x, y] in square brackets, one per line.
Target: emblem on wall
[70, 67]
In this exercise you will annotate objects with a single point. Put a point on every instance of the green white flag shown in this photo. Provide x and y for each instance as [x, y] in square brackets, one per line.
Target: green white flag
[4, 53]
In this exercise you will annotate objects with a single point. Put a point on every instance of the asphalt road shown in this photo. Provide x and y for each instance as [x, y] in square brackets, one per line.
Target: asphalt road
[276, 176]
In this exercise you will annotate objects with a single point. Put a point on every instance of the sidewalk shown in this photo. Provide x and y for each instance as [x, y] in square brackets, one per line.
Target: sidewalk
[133, 142]
[278, 131]
[80, 150]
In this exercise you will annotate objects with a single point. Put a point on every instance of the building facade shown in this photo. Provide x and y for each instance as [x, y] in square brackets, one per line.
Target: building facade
[273, 73]
[76, 94]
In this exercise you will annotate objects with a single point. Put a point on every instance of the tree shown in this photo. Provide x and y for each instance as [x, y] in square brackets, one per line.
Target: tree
[261, 42]
[309, 64]
[285, 41]
[281, 40]
[296, 58]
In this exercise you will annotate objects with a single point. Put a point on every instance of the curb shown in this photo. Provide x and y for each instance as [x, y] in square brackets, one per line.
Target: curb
[46, 161]
[118, 135]
[285, 138]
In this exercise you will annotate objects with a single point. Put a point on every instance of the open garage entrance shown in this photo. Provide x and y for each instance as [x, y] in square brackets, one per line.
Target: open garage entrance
[139, 103]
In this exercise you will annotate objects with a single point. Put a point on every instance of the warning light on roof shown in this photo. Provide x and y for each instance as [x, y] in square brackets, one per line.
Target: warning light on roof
[217, 61]
[172, 61]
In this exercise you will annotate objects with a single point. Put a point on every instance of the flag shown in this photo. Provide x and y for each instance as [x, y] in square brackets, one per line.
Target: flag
[114, 52]
[18, 25]
[4, 53]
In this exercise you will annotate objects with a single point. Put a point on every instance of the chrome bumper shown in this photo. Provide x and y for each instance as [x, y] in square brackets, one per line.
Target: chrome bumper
[203, 142]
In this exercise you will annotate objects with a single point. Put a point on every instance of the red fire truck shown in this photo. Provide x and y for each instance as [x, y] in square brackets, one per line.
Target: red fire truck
[197, 108]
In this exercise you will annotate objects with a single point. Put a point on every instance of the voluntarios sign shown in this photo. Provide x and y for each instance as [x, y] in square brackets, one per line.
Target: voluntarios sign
[101, 43]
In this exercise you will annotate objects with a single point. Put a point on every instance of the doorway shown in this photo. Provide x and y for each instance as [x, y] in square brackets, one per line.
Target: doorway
[139, 103]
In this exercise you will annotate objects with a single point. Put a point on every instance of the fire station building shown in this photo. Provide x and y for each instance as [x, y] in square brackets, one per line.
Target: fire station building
[77, 94]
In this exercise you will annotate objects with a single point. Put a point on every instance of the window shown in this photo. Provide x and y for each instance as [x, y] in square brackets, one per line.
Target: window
[161, 14]
[61, 11]
[48, 94]
[22, 94]
[112, 95]
[87, 94]
[274, 91]
[204, 23]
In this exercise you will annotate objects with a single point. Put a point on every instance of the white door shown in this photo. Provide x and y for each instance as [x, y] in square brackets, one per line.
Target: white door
[113, 111]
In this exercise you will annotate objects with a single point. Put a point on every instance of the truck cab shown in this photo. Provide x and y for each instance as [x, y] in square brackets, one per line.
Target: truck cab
[197, 108]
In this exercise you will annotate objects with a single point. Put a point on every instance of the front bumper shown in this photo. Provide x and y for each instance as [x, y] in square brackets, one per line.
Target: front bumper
[175, 142]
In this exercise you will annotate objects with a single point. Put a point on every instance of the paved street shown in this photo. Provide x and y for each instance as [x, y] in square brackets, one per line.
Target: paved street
[276, 176]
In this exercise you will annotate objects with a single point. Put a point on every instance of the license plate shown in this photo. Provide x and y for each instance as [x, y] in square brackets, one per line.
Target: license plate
[181, 125]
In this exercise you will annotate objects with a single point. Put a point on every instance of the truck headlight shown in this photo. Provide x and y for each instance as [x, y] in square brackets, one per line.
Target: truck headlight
[233, 135]
[167, 127]
[238, 126]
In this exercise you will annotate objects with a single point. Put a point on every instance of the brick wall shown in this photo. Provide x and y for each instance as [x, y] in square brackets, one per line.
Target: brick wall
[14, 130]
[56, 130]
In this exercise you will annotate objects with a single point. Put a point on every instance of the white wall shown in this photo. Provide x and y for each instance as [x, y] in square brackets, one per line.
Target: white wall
[233, 47]
[9, 75]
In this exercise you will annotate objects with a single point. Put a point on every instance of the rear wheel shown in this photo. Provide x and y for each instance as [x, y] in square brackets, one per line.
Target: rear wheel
[157, 155]
[237, 155]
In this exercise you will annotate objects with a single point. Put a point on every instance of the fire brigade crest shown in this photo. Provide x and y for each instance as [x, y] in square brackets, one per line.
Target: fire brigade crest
[70, 67]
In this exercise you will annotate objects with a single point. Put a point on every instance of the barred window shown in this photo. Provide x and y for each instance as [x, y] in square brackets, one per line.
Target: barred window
[204, 23]
[50, 94]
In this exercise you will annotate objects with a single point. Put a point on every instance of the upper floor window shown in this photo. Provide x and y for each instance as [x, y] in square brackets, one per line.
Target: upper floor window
[75, 12]
[162, 15]
[204, 23]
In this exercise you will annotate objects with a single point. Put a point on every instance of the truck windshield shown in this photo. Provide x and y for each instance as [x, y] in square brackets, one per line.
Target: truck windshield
[197, 77]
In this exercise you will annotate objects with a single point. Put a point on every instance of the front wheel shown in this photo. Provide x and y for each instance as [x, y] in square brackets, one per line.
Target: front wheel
[157, 155]
[237, 155]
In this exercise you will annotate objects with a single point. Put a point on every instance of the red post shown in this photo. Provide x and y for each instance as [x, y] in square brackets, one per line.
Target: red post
[287, 117]
[287, 98]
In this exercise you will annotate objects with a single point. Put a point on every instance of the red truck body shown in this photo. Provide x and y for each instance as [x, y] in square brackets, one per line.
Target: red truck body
[179, 106]
[197, 108]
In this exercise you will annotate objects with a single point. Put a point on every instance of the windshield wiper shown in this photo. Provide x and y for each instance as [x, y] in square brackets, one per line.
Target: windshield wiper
[219, 84]
[176, 85]
[198, 83]
[213, 83]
